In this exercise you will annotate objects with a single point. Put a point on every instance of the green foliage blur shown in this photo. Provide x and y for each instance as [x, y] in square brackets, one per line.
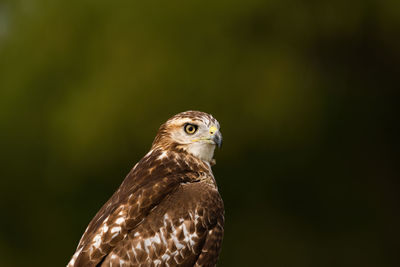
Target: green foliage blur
[304, 92]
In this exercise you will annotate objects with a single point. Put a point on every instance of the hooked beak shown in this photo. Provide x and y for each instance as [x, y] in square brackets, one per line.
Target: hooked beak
[217, 138]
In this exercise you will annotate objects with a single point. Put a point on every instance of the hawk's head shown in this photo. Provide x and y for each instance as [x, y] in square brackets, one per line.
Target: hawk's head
[195, 132]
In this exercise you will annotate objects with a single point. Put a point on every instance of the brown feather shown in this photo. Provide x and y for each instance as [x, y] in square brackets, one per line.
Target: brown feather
[167, 212]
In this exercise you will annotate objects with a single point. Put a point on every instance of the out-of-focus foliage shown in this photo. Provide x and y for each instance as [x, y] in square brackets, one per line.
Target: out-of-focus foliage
[304, 91]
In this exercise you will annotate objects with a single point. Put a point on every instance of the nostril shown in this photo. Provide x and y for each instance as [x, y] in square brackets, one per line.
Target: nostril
[213, 130]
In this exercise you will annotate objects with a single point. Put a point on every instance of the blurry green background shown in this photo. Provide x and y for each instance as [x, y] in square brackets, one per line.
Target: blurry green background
[304, 92]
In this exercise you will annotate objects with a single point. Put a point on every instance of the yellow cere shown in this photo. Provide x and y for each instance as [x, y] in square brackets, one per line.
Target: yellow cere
[213, 129]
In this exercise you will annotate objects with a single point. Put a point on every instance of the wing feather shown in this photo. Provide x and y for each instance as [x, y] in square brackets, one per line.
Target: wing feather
[184, 230]
[129, 205]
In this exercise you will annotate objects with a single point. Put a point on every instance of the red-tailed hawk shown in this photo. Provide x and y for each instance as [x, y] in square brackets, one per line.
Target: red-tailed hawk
[167, 211]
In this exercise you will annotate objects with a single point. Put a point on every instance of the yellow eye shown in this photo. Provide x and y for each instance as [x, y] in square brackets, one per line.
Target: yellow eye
[190, 128]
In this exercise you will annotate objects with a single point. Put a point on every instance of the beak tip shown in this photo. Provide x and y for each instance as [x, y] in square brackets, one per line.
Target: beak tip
[218, 140]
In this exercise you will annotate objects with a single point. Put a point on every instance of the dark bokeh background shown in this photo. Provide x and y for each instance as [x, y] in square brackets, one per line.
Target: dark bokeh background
[304, 92]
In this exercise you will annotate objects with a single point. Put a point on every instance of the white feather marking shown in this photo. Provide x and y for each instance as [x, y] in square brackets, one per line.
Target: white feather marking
[165, 257]
[173, 227]
[174, 253]
[165, 219]
[176, 241]
[115, 229]
[97, 241]
[120, 220]
[185, 232]
[134, 251]
[153, 239]
[163, 155]
[146, 243]
[163, 238]
[188, 237]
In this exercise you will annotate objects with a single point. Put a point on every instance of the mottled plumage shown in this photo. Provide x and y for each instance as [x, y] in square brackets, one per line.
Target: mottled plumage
[167, 211]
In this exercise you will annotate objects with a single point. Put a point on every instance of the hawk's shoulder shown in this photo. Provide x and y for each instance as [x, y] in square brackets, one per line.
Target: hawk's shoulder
[185, 229]
[150, 182]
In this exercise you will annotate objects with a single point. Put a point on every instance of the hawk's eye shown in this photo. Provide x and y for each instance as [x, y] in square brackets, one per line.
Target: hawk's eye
[190, 128]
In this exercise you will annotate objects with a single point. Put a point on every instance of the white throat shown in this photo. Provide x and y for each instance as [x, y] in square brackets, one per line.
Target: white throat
[202, 151]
